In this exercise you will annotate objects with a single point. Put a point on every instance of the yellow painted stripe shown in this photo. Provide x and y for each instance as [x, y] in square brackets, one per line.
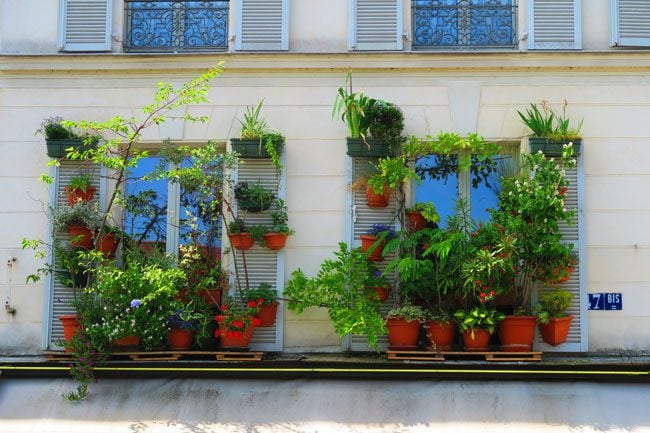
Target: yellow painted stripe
[333, 370]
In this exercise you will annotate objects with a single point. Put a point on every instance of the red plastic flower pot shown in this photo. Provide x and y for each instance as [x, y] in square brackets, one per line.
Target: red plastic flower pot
[75, 195]
[71, 327]
[275, 241]
[402, 335]
[366, 242]
[478, 341]
[128, 342]
[210, 296]
[267, 314]
[516, 333]
[241, 241]
[377, 200]
[555, 332]
[440, 335]
[416, 221]
[107, 245]
[80, 237]
[180, 339]
[378, 293]
[236, 339]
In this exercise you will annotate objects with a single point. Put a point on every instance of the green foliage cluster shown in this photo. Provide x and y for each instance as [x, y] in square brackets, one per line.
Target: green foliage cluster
[546, 123]
[339, 287]
[552, 304]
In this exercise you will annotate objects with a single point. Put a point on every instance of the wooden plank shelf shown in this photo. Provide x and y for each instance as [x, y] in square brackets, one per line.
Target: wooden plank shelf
[168, 355]
[430, 355]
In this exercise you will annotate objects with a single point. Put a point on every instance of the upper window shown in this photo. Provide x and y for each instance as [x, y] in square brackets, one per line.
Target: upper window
[463, 24]
[176, 25]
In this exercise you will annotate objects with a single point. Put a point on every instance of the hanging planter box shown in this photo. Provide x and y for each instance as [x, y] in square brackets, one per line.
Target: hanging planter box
[368, 148]
[57, 148]
[552, 147]
[252, 148]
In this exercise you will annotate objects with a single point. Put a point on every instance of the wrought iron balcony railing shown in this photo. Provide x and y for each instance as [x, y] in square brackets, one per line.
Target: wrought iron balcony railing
[175, 26]
[464, 24]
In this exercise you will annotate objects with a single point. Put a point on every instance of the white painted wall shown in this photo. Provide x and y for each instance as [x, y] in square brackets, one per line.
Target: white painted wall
[31, 27]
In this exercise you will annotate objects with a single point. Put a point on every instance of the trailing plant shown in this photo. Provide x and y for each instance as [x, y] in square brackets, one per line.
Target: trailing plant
[427, 210]
[407, 312]
[351, 108]
[257, 232]
[80, 214]
[339, 287]
[552, 304]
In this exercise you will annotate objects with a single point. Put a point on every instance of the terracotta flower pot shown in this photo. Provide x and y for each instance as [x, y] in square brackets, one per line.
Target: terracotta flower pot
[83, 235]
[366, 242]
[180, 339]
[402, 335]
[210, 296]
[241, 241]
[516, 333]
[377, 200]
[267, 314]
[75, 195]
[556, 331]
[107, 245]
[275, 241]
[71, 327]
[416, 221]
[378, 293]
[478, 342]
[128, 342]
[237, 339]
[440, 335]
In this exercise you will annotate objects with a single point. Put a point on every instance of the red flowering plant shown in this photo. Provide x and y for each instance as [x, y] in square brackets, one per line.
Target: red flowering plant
[236, 317]
[263, 295]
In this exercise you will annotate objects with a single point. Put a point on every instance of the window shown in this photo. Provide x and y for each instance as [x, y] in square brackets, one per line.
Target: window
[453, 24]
[176, 25]
[442, 184]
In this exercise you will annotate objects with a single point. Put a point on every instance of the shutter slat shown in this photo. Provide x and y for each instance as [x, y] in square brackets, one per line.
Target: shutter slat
[377, 25]
[555, 24]
[63, 296]
[87, 25]
[263, 25]
[365, 218]
[632, 25]
[261, 262]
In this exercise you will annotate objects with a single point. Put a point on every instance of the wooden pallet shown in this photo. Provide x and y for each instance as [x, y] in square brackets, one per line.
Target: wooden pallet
[57, 355]
[414, 355]
[239, 356]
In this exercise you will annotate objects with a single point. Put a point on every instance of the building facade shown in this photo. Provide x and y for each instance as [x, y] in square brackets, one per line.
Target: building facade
[462, 66]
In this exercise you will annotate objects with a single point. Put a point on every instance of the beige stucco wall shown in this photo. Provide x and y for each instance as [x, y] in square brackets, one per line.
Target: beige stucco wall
[610, 91]
[32, 27]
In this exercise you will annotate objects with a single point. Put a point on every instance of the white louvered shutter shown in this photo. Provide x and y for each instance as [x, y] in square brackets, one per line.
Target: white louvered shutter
[631, 23]
[577, 339]
[363, 217]
[554, 25]
[376, 24]
[86, 25]
[264, 265]
[262, 25]
[62, 296]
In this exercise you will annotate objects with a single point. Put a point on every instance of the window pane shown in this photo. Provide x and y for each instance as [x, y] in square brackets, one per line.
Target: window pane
[440, 184]
[146, 204]
[486, 184]
[199, 226]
